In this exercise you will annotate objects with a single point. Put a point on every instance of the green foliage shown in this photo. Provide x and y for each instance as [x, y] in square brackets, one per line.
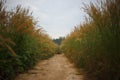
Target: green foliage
[95, 45]
[21, 44]
[59, 40]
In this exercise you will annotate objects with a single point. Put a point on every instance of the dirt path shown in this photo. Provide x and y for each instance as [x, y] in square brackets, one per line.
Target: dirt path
[55, 68]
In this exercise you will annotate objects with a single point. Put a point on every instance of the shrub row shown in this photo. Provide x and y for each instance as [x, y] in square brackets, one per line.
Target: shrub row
[95, 45]
[21, 44]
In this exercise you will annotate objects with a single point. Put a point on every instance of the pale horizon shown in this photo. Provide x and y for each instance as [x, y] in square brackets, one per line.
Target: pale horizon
[57, 17]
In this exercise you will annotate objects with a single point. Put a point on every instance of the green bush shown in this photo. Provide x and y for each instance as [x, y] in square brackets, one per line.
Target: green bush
[21, 45]
[95, 45]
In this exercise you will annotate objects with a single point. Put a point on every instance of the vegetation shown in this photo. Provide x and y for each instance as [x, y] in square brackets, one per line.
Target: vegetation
[95, 45]
[59, 40]
[21, 44]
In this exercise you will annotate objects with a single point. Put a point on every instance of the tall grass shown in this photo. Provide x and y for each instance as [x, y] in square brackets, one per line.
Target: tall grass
[21, 44]
[95, 45]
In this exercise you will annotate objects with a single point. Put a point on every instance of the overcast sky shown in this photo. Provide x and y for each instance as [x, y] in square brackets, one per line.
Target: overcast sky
[57, 17]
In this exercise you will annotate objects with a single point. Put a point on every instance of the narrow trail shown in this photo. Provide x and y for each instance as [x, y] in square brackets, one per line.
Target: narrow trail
[56, 68]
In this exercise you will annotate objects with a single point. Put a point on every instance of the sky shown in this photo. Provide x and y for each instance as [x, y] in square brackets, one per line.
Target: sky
[56, 17]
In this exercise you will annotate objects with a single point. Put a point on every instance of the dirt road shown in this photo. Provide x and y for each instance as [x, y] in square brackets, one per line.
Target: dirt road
[56, 68]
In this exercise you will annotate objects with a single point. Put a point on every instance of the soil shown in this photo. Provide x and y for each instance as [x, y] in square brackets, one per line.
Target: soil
[56, 68]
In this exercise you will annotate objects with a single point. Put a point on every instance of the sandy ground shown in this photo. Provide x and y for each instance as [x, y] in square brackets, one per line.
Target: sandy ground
[56, 68]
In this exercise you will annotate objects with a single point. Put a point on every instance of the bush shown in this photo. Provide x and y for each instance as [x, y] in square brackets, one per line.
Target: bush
[95, 45]
[21, 44]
